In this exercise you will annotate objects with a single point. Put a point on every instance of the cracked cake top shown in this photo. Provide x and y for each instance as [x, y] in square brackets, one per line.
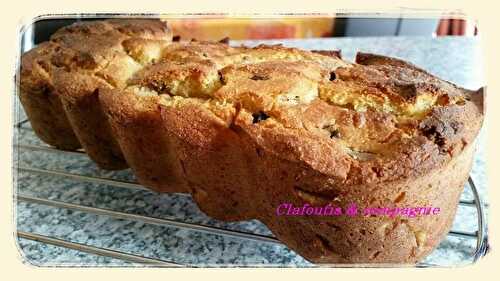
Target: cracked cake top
[374, 120]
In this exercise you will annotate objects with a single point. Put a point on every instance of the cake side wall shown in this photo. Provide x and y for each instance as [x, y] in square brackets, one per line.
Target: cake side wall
[48, 119]
[233, 178]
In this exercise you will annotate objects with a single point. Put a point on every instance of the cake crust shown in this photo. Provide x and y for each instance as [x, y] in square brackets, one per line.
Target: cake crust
[247, 129]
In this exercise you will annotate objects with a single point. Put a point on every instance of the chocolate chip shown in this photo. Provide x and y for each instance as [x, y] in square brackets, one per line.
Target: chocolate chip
[434, 134]
[259, 116]
[176, 38]
[333, 76]
[259, 77]
[335, 134]
[221, 78]
[407, 91]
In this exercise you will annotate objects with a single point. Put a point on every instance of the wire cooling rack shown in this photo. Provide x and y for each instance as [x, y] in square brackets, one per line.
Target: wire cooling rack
[479, 235]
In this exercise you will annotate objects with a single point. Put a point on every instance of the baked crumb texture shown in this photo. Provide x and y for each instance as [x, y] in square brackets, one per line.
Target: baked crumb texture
[247, 129]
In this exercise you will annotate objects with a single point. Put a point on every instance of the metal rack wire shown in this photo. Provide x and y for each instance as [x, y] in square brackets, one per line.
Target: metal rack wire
[480, 235]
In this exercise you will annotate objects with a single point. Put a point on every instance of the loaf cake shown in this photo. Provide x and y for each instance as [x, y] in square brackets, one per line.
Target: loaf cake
[246, 130]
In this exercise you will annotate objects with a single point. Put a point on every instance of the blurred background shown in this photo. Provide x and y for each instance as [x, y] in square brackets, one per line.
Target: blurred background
[217, 27]
[314, 27]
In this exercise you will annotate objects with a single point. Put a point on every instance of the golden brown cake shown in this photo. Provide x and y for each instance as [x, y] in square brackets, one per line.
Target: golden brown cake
[246, 130]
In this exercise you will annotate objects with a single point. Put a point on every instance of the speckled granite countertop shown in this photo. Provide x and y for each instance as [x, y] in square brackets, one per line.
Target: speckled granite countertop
[456, 59]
